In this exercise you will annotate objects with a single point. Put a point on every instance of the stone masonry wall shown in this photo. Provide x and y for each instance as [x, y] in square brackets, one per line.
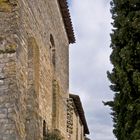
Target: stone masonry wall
[41, 20]
[8, 90]
[24, 107]
[75, 126]
[11, 103]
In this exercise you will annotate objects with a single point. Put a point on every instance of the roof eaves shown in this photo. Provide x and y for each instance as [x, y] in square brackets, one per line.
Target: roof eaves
[67, 20]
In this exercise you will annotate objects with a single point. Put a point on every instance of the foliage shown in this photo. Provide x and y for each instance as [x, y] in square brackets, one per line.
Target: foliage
[125, 76]
[54, 135]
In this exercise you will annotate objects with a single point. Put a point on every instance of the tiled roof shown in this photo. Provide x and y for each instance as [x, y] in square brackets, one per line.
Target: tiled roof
[67, 20]
[80, 111]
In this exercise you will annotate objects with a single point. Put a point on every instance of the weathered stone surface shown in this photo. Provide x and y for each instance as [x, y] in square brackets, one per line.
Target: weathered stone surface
[26, 91]
[5, 6]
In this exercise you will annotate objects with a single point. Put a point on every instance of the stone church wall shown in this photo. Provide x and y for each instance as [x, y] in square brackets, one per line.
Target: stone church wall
[27, 71]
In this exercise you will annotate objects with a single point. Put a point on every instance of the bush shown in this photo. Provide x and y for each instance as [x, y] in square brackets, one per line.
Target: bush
[53, 135]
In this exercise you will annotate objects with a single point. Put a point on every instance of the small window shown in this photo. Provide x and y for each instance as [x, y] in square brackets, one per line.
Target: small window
[52, 40]
[53, 52]
[44, 130]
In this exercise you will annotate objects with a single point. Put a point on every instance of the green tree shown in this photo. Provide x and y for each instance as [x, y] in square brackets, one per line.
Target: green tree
[125, 76]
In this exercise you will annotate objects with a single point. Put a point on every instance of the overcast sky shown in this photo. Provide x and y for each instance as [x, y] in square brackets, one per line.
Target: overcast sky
[89, 61]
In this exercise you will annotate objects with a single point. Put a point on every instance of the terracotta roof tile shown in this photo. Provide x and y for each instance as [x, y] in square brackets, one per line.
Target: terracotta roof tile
[67, 20]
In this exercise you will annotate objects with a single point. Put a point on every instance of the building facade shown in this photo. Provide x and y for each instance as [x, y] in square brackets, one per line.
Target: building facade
[34, 68]
[76, 123]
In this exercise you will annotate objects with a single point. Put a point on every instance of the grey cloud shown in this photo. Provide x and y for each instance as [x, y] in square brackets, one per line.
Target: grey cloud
[89, 61]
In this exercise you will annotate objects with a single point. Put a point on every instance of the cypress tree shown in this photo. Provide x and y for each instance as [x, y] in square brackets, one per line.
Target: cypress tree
[125, 76]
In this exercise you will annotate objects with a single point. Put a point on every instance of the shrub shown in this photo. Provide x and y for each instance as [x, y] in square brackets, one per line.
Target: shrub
[53, 135]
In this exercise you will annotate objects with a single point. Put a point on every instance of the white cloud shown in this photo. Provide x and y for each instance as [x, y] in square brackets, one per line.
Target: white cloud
[89, 61]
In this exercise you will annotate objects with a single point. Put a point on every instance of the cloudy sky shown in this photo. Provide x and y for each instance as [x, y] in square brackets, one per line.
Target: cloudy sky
[89, 61]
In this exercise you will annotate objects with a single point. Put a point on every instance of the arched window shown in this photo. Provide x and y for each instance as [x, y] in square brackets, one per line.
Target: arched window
[55, 104]
[44, 130]
[33, 64]
[53, 51]
[32, 100]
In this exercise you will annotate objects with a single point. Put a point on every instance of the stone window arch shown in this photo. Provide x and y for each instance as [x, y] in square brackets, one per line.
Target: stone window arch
[53, 51]
[55, 104]
[44, 129]
[32, 99]
[33, 63]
